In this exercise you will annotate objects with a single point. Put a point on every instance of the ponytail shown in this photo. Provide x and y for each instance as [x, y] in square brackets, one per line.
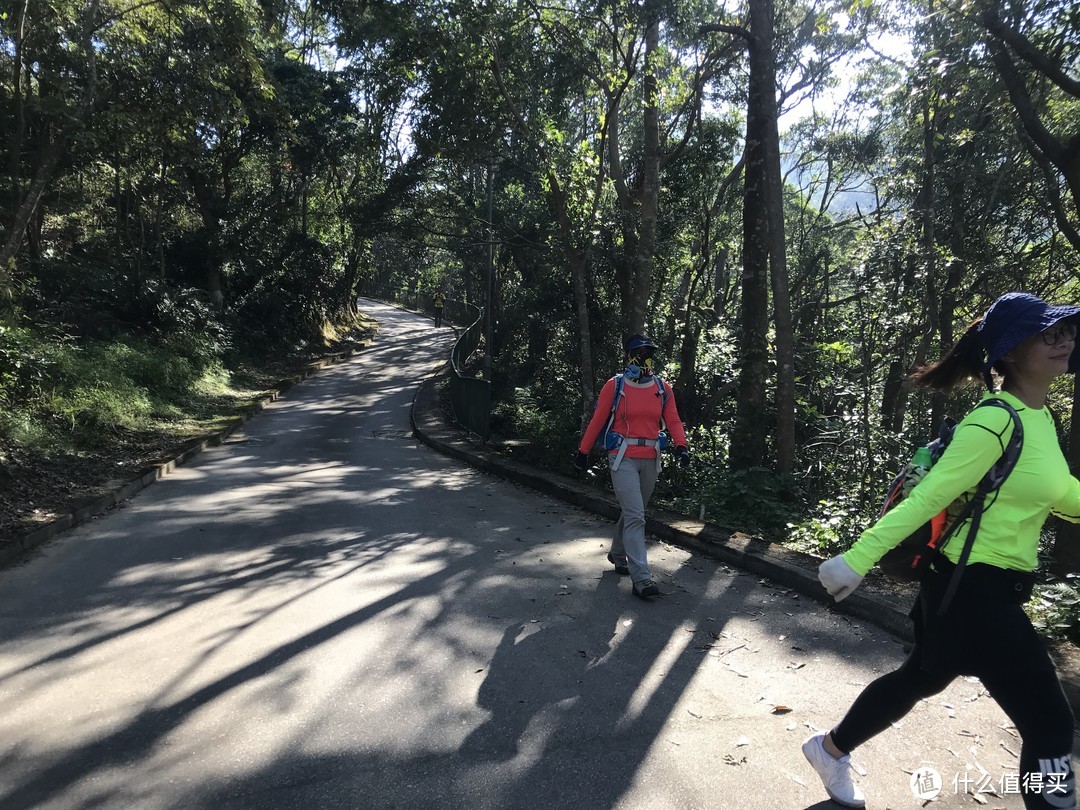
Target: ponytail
[964, 360]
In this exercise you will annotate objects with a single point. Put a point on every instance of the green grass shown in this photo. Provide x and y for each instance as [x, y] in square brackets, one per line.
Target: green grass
[62, 397]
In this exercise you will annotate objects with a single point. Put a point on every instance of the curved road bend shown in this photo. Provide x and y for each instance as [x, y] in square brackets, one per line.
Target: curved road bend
[325, 613]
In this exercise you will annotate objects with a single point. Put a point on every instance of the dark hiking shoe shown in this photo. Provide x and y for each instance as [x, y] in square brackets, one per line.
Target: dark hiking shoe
[646, 589]
[621, 568]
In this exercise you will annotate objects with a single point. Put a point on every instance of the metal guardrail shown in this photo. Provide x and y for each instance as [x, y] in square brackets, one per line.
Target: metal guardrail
[470, 396]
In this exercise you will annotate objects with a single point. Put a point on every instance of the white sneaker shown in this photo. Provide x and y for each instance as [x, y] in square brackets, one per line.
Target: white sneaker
[835, 773]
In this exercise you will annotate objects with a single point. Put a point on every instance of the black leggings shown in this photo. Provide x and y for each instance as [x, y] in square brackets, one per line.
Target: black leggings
[994, 641]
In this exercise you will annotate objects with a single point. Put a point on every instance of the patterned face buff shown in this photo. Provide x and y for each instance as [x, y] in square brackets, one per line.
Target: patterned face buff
[640, 365]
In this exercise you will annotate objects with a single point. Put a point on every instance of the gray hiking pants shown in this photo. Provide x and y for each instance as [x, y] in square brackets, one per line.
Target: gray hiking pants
[633, 482]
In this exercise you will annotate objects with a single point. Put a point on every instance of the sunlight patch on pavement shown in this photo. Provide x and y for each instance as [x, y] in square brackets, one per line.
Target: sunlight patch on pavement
[676, 644]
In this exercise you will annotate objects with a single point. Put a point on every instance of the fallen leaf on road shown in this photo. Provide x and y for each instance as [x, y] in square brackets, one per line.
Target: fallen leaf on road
[781, 709]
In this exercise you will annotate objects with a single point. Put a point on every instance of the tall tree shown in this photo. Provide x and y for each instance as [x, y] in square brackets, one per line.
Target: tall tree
[62, 110]
[1034, 65]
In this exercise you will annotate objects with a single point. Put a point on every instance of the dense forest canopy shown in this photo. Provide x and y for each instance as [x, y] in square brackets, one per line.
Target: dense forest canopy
[226, 177]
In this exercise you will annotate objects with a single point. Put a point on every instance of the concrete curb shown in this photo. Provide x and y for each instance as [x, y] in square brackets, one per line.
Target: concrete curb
[16, 547]
[873, 602]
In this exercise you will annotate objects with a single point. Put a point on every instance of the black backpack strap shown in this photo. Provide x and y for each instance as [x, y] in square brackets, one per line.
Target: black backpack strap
[990, 482]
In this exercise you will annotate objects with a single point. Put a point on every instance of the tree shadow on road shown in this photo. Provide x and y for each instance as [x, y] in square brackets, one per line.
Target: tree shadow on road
[576, 687]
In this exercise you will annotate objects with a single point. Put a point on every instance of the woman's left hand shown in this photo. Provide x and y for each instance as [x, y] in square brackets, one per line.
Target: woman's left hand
[839, 578]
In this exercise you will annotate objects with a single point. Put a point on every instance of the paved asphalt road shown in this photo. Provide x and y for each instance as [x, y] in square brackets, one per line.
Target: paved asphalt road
[325, 613]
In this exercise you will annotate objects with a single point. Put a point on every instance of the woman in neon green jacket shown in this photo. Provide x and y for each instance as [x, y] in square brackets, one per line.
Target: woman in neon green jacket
[983, 631]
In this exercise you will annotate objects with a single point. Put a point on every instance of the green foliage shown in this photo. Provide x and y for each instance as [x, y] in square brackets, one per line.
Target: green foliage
[287, 304]
[1055, 609]
[755, 500]
[830, 527]
[94, 410]
[247, 169]
[25, 365]
[544, 422]
[63, 396]
[103, 386]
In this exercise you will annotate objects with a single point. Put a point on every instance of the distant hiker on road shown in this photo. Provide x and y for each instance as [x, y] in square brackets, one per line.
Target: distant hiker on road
[983, 631]
[631, 416]
[438, 300]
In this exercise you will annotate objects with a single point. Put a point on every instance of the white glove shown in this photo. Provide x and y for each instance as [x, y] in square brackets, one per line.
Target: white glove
[839, 578]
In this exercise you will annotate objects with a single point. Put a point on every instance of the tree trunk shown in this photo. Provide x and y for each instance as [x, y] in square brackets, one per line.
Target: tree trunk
[18, 130]
[748, 440]
[209, 207]
[891, 413]
[763, 63]
[576, 260]
[1064, 155]
[650, 189]
[50, 156]
[627, 212]
[924, 205]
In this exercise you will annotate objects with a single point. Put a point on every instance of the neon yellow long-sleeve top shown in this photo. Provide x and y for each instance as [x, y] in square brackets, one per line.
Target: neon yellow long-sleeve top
[1012, 519]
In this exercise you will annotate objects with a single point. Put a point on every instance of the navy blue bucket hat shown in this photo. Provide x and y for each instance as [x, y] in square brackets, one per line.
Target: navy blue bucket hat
[635, 342]
[1015, 317]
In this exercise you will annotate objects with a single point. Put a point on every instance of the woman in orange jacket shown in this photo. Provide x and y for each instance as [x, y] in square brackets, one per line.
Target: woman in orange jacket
[632, 413]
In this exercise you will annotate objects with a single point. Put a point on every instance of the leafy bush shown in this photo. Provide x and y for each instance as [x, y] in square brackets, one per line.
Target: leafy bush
[25, 365]
[549, 424]
[1055, 608]
[186, 323]
[88, 391]
[831, 528]
[755, 500]
[288, 300]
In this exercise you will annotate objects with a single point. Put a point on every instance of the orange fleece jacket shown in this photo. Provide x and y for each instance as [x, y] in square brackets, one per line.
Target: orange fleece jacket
[637, 416]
